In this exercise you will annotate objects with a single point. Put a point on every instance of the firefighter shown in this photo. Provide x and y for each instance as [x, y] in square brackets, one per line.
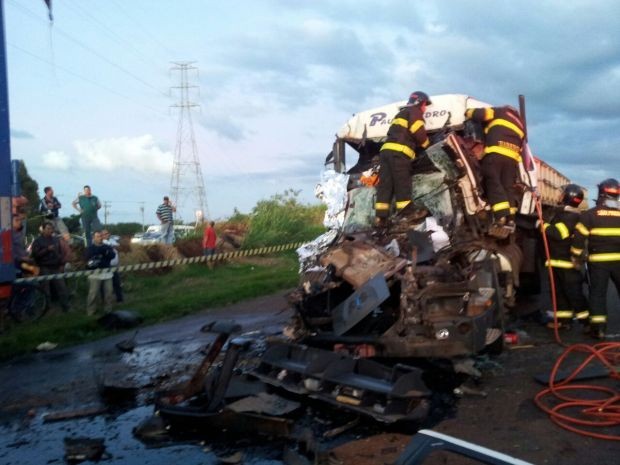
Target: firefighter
[597, 240]
[406, 135]
[504, 135]
[567, 279]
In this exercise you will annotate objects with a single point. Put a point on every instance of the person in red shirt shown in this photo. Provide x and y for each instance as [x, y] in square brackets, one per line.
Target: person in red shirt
[208, 240]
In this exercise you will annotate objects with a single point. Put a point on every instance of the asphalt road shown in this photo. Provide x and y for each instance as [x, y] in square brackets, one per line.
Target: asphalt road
[505, 420]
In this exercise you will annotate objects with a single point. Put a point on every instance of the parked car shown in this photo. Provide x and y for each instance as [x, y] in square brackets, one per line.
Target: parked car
[154, 235]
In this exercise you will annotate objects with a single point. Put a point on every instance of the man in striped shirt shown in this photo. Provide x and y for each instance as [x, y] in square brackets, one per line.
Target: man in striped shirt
[165, 215]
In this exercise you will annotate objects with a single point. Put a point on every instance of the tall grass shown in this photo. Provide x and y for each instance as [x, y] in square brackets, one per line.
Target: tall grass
[283, 219]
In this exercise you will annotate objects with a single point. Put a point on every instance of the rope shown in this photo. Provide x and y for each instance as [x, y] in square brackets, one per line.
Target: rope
[164, 263]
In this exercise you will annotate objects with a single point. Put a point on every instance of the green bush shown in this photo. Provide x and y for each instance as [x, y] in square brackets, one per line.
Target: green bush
[283, 219]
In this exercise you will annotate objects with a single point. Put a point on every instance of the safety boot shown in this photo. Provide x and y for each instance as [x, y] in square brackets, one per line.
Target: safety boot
[502, 228]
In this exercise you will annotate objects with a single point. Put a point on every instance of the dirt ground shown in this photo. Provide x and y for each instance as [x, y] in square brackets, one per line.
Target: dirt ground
[505, 420]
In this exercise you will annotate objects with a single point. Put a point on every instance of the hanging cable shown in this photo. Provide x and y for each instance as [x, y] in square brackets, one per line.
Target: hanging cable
[77, 42]
[85, 79]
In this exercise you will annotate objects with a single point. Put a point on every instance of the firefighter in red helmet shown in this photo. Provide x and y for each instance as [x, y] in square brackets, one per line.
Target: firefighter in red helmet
[406, 137]
[567, 279]
[597, 240]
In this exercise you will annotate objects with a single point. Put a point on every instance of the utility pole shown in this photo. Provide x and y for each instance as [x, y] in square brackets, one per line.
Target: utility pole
[106, 206]
[142, 212]
[187, 187]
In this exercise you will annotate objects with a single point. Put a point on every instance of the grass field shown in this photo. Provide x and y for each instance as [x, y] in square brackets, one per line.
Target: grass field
[159, 297]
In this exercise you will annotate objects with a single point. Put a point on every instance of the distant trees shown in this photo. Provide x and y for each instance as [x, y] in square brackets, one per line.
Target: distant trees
[29, 188]
[124, 229]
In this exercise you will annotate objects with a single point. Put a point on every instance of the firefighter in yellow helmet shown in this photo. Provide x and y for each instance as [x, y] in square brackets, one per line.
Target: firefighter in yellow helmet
[406, 135]
[597, 239]
[504, 136]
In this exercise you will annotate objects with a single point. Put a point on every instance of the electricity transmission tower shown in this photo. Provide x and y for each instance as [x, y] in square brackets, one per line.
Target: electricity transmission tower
[186, 184]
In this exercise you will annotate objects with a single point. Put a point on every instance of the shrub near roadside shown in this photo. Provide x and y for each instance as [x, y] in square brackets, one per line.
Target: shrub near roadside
[282, 220]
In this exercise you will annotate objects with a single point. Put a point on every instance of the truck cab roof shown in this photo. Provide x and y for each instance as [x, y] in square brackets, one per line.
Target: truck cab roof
[447, 110]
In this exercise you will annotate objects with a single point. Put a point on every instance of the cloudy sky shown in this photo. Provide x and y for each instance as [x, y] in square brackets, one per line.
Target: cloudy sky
[90, 98]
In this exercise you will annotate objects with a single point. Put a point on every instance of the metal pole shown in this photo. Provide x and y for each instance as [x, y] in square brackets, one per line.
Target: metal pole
[142, 211]
[7, 270]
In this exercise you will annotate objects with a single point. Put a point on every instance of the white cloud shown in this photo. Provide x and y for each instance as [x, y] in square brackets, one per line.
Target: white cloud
[134, 153]
[57, 160]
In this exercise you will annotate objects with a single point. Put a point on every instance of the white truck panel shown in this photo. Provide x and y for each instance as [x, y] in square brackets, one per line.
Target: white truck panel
[375, 122]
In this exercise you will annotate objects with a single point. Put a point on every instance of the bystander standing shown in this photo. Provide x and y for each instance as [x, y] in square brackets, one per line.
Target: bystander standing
[208, 240]
[49, 208]
[48, 255]
[165, 214]
[116, 277]
[88, 204]
[99, 255]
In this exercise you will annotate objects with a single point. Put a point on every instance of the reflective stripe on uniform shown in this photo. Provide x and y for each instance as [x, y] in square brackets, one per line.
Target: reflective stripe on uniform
[501, 206]
[605, 231]
[604, 257]
[513, 210]
[545, 226]
[503, 151]
[398, 148]
[561, 227]
[565, 314]
[400, 122]
[576, 251]
[402, 204]
[582, 315]
[560, 264]
[415, 126]
[507, 124]
[582, 229]
[489, 113]
[382, 206]
[598, 318]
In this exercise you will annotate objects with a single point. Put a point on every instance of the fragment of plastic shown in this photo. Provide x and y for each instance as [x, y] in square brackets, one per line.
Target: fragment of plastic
[393, 248]
[369, 178]
[308, 253]
[332, 191]
[438, 235]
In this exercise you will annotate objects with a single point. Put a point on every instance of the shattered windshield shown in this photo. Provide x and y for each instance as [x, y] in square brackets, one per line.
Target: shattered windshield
[430, 189]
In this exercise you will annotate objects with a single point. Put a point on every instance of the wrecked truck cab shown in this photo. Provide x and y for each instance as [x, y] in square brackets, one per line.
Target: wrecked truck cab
[429, 287]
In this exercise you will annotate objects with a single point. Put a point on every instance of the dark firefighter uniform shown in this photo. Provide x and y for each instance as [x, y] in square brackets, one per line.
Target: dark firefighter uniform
[405, 135]
[598, 230]
[567, 280]
[504, 136]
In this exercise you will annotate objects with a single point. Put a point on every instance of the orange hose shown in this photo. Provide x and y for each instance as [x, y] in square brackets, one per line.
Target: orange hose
[550, 270]
[585, 414]
[595, 411]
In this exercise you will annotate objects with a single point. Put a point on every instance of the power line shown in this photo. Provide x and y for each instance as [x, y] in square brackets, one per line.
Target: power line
[141, 27]
[89, 49]
[125, 43]
[68, 71]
